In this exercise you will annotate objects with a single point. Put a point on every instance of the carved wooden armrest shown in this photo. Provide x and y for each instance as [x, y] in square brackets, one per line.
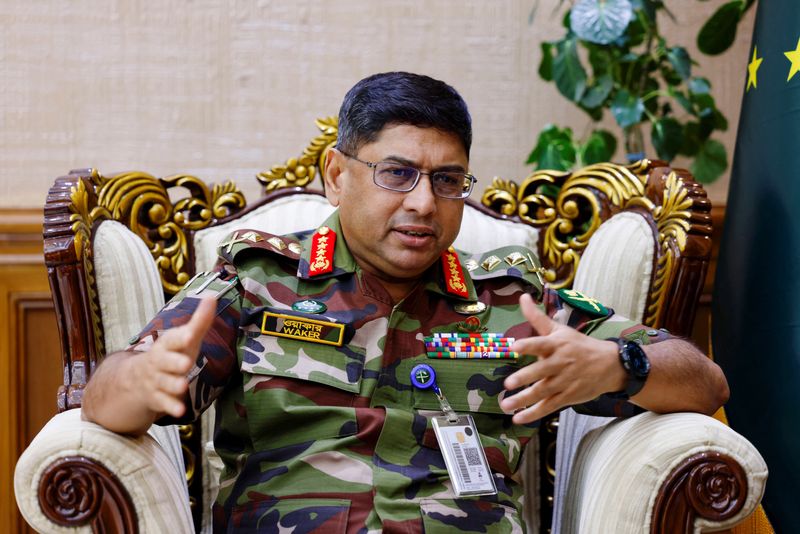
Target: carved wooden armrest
[663, 473]
[76, 473]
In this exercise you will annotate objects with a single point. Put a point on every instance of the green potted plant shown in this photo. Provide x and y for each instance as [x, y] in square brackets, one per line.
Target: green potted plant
[636, 74]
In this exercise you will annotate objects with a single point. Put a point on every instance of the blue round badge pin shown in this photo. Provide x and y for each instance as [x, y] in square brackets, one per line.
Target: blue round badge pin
[423, 376]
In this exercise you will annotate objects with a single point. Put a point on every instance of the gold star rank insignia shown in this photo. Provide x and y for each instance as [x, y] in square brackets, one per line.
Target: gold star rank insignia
[752, 70]
[794, 57]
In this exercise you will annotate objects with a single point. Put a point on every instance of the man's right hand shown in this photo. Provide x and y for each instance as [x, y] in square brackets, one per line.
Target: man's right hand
[161, 371]
[130, 390]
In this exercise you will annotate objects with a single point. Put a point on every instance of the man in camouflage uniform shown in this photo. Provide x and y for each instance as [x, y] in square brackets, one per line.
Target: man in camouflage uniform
[307, 342]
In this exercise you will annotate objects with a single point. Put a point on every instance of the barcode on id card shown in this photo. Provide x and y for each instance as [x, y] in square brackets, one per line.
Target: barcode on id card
[472, 455]
[462, 464]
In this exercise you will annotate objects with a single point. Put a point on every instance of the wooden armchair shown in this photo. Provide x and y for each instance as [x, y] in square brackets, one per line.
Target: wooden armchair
[636, 237]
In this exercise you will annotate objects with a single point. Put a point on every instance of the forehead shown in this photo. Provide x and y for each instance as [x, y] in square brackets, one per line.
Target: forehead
[417, 144]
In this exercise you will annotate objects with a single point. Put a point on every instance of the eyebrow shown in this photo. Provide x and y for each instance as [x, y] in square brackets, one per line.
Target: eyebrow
[405, 161]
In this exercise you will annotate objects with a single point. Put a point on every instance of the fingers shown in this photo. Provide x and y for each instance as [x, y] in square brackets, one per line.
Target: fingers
[538, 410]
[167, 404]
[531, 373]
[536, 317]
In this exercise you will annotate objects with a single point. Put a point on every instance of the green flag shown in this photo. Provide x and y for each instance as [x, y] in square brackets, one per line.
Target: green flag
[756, 310]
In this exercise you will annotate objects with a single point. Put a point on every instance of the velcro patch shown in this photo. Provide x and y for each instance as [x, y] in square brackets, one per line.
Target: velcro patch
[311, 330]
[576, 299]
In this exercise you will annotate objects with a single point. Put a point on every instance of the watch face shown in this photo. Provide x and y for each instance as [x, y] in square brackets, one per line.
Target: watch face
[637, 359]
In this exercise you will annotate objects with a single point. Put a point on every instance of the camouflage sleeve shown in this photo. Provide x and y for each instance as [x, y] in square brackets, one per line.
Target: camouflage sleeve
[603, 324]
[217, 360]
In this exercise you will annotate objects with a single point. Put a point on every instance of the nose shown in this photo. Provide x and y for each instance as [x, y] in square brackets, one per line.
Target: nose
[421, 199]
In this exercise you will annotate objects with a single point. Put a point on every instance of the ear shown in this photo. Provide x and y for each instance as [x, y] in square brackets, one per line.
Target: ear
[334, 168]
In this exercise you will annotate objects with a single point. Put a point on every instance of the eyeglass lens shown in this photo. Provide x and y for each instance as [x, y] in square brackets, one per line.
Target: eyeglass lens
[402, 178]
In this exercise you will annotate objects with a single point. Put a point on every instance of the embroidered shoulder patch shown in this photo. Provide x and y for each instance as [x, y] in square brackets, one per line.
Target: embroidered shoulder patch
[576, 299]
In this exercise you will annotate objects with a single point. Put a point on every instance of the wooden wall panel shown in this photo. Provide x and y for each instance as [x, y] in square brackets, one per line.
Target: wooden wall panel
[29, 349]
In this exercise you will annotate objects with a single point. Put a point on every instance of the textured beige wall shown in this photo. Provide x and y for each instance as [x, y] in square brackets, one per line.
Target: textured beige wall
[224, 89]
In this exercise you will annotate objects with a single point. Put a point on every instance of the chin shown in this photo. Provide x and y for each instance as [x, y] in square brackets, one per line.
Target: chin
[412, 267]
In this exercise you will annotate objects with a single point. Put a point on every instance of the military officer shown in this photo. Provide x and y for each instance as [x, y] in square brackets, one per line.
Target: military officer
[367, 376]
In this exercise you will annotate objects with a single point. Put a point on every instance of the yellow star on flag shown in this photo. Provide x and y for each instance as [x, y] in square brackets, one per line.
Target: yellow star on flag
[752, 69]
[794, 57]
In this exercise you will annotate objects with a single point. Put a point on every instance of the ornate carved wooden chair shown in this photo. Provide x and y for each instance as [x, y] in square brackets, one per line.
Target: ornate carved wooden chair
[636, 237]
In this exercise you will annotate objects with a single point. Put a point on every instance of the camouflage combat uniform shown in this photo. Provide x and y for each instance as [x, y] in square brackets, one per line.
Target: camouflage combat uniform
[318, 437]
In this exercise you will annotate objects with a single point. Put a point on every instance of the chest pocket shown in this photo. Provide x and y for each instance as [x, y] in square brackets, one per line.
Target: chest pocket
[301, 346]
[295, 387]
[469, 385]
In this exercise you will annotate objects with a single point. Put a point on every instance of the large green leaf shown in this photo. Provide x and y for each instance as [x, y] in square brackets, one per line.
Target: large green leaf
[600, 147]
[680, 61]
[568, 72]
[710, 162]
[691, 139]
[667, 137]
[699, 86]
[554, 149]
[718, 33]
[598, 92]
[627, 108]
[600, 21]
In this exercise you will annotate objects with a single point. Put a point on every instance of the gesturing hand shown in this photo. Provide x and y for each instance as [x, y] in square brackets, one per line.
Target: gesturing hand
[160, 372]
[571, 368]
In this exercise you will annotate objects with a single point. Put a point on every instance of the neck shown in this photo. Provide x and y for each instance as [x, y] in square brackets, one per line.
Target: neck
[398, 290]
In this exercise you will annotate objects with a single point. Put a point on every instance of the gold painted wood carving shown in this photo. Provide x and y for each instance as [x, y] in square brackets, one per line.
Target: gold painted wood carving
[299, 172]
[142, 202]
[672, 221]
[567, 208]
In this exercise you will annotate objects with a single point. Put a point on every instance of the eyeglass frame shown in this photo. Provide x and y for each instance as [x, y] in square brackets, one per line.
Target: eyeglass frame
[374, 165]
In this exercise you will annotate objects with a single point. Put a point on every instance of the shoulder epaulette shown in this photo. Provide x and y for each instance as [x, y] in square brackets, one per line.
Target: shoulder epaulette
[244, 239]
[581, 311]
[511, 261]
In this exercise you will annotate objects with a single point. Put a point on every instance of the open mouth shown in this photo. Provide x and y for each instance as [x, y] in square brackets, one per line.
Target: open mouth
[415, 234]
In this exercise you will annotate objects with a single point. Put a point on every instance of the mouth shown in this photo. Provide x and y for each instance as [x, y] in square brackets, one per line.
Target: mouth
[415, 236]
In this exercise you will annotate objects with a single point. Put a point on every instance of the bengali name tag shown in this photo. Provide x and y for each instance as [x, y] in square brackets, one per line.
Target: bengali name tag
[303, 329]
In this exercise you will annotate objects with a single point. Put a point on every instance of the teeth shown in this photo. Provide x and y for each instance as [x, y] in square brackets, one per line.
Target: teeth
[415, 234]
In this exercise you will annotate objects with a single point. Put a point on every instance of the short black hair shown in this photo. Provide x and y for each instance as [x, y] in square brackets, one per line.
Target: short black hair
[400, 98]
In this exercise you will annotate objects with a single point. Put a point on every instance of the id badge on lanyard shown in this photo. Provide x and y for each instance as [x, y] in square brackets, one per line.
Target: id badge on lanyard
[458, 440]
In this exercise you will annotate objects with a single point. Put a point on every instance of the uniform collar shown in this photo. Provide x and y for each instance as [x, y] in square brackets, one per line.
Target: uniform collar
[344, 263]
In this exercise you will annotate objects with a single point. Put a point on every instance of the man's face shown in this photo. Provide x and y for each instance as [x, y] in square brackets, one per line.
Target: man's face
[395, 235]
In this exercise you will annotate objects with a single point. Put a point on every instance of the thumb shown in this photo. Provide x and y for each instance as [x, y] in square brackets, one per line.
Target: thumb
[536, 317]
[188, 337]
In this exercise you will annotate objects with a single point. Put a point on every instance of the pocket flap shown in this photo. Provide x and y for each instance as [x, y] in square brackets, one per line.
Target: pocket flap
[302, 357]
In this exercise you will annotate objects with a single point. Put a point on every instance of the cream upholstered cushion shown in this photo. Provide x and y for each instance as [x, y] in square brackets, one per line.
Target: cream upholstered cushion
[145, 466]
[620, 468]
[130, 293]
[128, 284]
[617, 265]
[480, 232]
[282, 216]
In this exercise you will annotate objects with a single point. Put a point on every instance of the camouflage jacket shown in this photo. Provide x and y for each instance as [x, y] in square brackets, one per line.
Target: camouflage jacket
[316, 436]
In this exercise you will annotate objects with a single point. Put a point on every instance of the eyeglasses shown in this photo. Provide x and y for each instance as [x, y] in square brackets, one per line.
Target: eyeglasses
[402, 178]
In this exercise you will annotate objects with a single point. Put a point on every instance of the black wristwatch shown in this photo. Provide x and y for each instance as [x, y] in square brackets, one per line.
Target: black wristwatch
[635, 363]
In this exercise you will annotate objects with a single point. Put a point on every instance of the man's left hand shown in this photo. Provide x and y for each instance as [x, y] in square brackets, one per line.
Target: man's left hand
[571, 368]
